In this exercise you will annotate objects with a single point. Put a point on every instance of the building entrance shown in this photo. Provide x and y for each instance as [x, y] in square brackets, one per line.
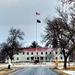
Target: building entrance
[36, 60]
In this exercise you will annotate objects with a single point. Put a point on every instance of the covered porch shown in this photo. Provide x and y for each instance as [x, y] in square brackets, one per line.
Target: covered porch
[37, 58]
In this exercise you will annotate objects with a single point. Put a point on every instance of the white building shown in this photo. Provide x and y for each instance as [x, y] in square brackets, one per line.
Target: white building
[41, 54]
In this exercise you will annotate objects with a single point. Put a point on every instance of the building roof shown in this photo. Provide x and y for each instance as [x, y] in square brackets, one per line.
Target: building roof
[38, 49]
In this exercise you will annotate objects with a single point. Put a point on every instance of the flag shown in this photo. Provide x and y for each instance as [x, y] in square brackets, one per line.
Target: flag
[37, 13]
[38, 21]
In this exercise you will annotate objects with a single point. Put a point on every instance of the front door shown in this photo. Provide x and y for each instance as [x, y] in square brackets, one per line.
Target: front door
[38, 59]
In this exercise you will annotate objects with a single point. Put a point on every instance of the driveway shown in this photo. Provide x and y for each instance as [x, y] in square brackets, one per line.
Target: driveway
[35, 70]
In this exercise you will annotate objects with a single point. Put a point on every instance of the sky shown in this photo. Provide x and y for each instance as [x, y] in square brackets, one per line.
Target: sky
[22, 14]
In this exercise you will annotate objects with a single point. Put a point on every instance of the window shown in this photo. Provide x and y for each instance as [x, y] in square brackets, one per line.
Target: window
[46, 58]
[13, 58]
[17, 58]
[60, 52]
[31, 53]
[46, 53]
[41, 58]
[27, 53]
[27, 58]
[32, 58]
[23, 53]
[37, 53]
[50, 52]
[41, 52]
[56, 52]
[61, 58]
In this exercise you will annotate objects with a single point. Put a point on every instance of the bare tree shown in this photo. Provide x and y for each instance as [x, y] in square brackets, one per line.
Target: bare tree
[61, 35]
[13, 41]
[3, 52]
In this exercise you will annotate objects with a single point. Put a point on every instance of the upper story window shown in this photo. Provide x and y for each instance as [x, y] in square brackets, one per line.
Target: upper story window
[56, 52]
[45, 52]
[23, 53]
[60, 52]
[27, 53]
[37, 53]
[41, 52]
[31, 53]
[50, 53]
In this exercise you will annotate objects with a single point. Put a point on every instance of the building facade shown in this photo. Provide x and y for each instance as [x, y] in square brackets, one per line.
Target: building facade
[40, 54]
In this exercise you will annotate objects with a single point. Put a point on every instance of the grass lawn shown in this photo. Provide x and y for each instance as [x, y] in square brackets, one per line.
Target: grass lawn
[60, 71]
[71, 68]
[6, 71]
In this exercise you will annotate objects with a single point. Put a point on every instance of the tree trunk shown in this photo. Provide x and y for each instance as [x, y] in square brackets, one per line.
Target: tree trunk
[65, 62]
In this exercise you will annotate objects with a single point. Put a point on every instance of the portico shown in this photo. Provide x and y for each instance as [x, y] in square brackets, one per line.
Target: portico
[37, 57]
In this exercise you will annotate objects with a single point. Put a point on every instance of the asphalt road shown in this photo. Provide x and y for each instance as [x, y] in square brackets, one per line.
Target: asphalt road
[38, 70]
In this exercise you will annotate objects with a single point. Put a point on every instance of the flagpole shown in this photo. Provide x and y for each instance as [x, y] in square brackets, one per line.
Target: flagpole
[37, 21]
[36, 36]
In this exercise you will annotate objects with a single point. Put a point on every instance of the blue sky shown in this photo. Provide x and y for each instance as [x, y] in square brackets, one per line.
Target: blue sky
[22, 14]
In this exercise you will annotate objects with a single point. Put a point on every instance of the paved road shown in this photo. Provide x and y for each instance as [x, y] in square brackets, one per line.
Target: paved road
[38, 70]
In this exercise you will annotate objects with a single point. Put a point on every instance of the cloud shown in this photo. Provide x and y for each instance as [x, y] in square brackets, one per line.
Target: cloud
[7, 3]
[22, 14]
[23, 11]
